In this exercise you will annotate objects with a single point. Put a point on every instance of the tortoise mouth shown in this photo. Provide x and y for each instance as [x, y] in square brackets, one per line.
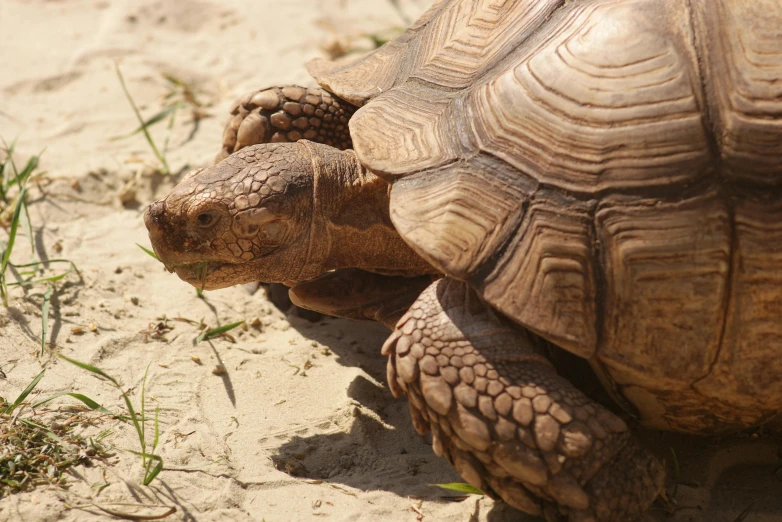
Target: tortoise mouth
[206, 275]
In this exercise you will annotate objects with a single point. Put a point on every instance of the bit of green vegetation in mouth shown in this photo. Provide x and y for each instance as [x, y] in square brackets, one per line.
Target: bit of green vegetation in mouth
[201, 271]
[196, 273]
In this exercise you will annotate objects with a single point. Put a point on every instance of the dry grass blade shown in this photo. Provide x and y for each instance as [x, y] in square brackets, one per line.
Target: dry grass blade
[125, 513]
[161, 158]
[45, 318]
[32, 454]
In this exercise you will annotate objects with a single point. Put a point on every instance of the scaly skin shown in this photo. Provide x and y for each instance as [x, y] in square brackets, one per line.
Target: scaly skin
[502, 416]
[287, 114]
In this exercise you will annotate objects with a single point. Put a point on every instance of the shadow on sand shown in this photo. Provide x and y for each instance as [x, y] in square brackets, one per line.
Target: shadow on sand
[731, 479]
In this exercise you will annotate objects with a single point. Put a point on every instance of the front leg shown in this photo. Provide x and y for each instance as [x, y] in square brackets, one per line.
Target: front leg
[508, 423]
[287, 114]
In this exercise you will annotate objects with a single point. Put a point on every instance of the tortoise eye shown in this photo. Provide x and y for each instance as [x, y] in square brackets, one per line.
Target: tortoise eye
[206, 219]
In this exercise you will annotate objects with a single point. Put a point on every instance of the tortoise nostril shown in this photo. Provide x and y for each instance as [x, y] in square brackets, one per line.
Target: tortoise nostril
[154, 214]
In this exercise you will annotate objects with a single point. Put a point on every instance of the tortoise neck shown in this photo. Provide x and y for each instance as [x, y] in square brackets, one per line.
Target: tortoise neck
[351, 226]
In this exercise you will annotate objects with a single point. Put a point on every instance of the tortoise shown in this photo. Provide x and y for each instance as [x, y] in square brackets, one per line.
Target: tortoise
[508, 182]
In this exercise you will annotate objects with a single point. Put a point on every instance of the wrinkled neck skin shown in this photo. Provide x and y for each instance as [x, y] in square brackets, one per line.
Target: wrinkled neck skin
[351, 226]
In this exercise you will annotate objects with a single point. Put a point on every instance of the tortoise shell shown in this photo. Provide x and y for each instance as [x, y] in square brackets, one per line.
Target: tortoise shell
[605, 173]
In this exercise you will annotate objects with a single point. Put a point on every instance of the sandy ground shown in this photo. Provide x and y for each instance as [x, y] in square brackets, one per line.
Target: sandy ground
[301, 427]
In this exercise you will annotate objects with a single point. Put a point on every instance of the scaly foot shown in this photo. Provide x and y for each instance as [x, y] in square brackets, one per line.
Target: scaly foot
[502, 416]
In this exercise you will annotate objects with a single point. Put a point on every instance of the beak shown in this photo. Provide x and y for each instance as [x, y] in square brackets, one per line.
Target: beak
[153, 219]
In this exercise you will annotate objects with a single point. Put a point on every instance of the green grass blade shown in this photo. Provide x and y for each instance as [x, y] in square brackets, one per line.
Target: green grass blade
[150, 472]
[9, 159]
[461, 488]
[21, 178]
[157, 429]
[201, 271]
[3, 181]
[170, 128]
[45, 318]
[174, 80]
[160, 157]
[148, 251]
[50, 434]
[143, 410]
[12, 232]
[25, 393]
[50, 279]
[91, 404]
[155, 471]
[93, 369]
[47, 262]
[134, 418]
[28, 227]
[148, 122]
[214, 332]
[33, 424]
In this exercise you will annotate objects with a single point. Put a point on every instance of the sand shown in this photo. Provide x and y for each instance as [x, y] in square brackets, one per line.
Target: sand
[301, 425]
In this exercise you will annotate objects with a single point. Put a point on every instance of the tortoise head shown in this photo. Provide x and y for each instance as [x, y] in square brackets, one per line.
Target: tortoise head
[241, 220]
[278, 212]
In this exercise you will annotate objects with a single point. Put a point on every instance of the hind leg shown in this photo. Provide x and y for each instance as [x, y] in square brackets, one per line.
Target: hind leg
[502, 416]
